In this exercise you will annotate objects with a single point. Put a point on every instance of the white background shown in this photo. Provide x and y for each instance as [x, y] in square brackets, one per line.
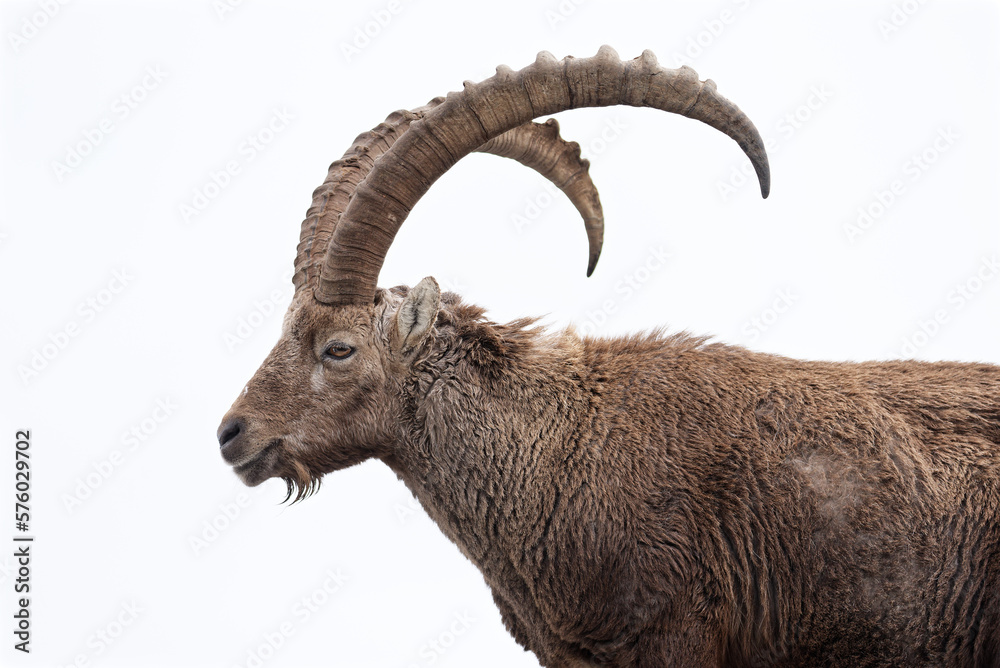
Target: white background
[849, 95]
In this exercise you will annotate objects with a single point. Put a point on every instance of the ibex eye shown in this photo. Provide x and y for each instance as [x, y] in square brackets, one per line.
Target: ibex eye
[338, 351]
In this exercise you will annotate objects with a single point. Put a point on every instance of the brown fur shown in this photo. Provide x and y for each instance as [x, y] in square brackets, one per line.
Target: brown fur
[659, 500]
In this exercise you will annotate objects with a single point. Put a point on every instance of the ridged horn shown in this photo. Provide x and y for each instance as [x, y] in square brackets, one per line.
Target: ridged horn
[535, 145]
[538, 145]
[468, 119]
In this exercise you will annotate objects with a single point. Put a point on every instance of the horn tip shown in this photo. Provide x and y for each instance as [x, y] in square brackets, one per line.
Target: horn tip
[765, 184]
[592, 263]
[758, 158]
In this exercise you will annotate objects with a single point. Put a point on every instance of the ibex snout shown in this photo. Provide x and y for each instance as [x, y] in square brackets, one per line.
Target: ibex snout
[251, 462]
[229, 432]
[241, 451]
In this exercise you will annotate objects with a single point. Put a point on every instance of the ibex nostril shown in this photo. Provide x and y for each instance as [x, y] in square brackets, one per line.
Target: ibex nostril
[229, 431]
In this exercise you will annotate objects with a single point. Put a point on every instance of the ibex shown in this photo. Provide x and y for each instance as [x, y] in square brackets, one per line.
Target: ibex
[648, 500]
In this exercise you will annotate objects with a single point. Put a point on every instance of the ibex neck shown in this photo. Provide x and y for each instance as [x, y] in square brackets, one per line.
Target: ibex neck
[489, 427]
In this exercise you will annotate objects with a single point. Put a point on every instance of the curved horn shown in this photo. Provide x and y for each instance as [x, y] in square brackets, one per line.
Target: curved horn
[535, 145]
[538, 145]
[482, 111]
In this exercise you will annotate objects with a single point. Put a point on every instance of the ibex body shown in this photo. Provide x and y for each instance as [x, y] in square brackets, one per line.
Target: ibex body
[644, 501]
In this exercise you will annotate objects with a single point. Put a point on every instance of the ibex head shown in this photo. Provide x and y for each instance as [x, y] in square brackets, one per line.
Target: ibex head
[331, 393]
[325, 397]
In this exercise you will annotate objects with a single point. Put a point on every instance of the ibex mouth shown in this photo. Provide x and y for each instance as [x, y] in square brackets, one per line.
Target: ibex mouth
[260, 467]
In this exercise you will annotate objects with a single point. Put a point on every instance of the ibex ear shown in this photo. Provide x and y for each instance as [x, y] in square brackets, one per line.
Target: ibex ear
[413, 320]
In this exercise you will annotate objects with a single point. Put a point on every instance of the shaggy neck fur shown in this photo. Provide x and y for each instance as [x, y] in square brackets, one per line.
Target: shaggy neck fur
[762, 496]
[481, 408]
